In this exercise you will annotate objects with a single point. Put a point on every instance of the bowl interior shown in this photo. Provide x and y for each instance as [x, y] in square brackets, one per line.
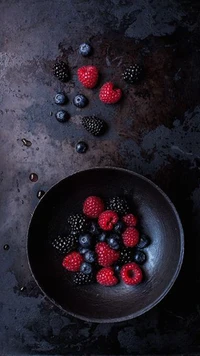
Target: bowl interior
[158, 219]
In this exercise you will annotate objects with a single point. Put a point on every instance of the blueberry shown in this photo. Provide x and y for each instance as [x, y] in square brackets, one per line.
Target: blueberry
[85, 49]
[85, 240]
[113, 242]
[90, 256]
[139, 257]
[81, 147]
[102, 237]
[80, 101]
[82, 250]
[119, 227]
[144, 241]
[60, 99]
[62, 116]
[94, 228]
[117, 268]
[86, 268]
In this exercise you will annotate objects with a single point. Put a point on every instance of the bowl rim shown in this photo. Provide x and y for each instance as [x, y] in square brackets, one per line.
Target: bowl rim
[173, 279]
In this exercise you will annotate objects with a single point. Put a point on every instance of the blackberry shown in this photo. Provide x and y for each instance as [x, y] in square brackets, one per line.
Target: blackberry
[94, 125]
[81, 278]
[126, 256]
[133, 74]
[61, 71]
[117, 204]
[64, 244]
[78, 223]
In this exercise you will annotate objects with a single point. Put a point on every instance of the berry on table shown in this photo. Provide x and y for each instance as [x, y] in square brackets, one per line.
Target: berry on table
[133, 74]
[118, 204]
[107, 220]
[126, 255]
[85, 49]
[78, 223]
[144, 241]
[62, 115]
[119, 227]
[82, 278]
[88, 76]
[139, 257]
[80, 101]
[131, 273]
[108, 94]
[105, 255]
[72, 262]
[86, 268]
[81, 147]
[60, 99]
[90, 256]
[94, 125]
[130, 237]
[93, 207]
[64, 244]
[61, 71]
[130, 220]
[106, 277]
[85, 240]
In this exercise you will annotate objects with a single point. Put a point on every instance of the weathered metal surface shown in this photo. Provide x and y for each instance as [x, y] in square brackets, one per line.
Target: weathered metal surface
[153, 131]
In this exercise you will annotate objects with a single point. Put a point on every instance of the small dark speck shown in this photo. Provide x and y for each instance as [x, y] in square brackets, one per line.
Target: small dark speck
[6, 247]
[37, 148]
[51, 113]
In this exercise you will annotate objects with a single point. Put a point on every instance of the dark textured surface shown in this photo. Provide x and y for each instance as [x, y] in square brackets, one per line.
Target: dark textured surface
[154, 131]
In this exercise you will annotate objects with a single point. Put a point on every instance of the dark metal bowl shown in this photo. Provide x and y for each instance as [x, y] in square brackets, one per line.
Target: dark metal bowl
[159, 220]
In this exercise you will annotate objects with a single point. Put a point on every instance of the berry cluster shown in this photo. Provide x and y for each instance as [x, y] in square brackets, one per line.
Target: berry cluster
[103, 243]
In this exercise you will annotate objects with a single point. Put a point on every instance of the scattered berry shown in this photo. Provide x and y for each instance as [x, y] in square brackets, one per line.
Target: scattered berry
[94, 125]
[131, 273]
[88, 76]
[78, 223]
[130, 220]
[119, 227]
[62, 115]
[118, 204]
[144, 241]
[61, 71]
[139, 257]
[102, 237]
[72, 262]
[85, 49]
[106, 277]
[94, 228]
[126, 255]
[107, 220]
[85, 240]
[80, 101]
[64, 244]
[108, 94]
[113, 242]
[106, 256]
[60, 99]
[130, 237]
[93, 207]
[90, 256]
[81, 147]
[86, 268]
[82, 278]
[133, 74]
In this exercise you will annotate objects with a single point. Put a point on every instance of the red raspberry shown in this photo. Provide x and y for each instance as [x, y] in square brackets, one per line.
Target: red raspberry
[130, 237]
[131, 273]
[106, 256]
[72, 262]
[106, 277]
[130, 220]
[93, 207]
[108, 94]
[108, 219]
[88, 76]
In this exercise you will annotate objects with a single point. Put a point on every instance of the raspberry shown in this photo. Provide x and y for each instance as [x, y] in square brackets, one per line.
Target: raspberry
[131, 273]
[106, 277]
[88, 76]
[108, 94]
[130, 237]
[107, 220]
[130, 220]
[72, 262]
[105, 255]
[93, 207]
